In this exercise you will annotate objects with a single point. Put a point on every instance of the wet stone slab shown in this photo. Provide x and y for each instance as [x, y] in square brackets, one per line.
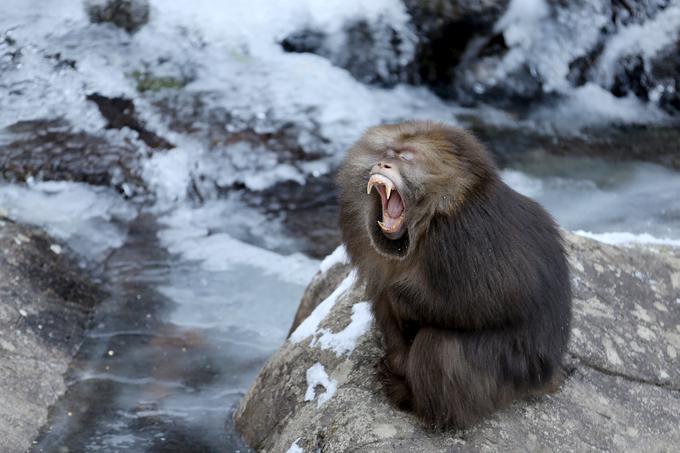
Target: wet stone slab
[45, 302]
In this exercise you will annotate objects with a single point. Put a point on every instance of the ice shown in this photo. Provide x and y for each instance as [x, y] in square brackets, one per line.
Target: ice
[345, 341]
[191, 233]
[316, 375]
[601, 108]
[92, 220]
[310, 325]
[624, 238]
[221, 252]
[593, 195]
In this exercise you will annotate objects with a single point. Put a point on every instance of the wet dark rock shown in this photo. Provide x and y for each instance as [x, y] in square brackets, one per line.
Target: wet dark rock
[45, 303]
[648, 143]
[445, 29]
[631, 77]
[304, 41]
[120, 113]
[53, 150]
[374, 53]
[310, 212]
[622, 391]
[577, 34]
[664, 76]
[130, 15]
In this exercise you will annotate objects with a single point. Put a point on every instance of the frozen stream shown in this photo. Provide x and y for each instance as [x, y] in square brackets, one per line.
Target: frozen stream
[206, 243]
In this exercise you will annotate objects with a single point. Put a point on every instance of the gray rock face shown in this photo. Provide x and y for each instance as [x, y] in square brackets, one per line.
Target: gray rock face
[129, 15]
[622, 392]
[44, 307]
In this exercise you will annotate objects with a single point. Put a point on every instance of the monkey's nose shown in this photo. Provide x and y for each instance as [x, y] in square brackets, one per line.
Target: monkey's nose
[384, 165]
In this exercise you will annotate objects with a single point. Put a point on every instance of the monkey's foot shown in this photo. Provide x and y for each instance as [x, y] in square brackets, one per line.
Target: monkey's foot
[397, 389]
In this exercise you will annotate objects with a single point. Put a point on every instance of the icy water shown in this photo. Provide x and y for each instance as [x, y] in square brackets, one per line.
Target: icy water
[171, 352]
[206, 246]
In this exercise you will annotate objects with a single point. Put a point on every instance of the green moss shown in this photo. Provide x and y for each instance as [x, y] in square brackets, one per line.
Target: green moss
[148, 82]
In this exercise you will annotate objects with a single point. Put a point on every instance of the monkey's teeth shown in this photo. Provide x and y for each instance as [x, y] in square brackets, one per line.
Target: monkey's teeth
[369, 187]
[388, 189]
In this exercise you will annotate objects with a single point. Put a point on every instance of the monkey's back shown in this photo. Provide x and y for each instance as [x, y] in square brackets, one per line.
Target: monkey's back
[496, 272]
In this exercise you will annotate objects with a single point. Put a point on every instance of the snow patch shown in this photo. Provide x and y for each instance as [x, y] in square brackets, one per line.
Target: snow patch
[316, 375]
[521, 21]
[345, 341]
[310, 325]
[339, 256]
[295, 448]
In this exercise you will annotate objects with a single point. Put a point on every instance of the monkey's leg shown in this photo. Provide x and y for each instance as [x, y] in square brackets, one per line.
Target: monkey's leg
[393, 364]
[449, 389]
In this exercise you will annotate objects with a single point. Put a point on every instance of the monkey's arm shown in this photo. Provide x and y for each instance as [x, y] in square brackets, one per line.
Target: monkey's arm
[396, 344]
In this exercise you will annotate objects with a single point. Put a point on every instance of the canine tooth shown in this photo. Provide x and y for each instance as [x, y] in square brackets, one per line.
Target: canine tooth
[388, 189]
[369, 186]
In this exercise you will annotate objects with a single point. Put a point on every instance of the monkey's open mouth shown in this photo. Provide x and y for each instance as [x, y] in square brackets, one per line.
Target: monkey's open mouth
[393, 208]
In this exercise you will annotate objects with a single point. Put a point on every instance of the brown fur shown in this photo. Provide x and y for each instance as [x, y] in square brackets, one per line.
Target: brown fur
[473, 301]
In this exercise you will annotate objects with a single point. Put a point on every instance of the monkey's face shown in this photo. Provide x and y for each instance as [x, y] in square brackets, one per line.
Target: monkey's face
[411, 172]
[396, 206]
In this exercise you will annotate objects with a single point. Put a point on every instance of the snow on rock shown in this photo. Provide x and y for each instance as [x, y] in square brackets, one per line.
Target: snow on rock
[295, 448]
[339, 256]
[310, 325]
[316, 375]
[345, 341]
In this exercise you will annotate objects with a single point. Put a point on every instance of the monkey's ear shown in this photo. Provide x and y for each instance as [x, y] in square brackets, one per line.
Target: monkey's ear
[446, 204]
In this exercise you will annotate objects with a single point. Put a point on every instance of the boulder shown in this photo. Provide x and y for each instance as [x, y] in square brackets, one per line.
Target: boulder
[319, 392]
[45, 301]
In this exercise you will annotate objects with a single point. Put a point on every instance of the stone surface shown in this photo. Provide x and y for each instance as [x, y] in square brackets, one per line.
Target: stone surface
[44, 307]
[622, 392]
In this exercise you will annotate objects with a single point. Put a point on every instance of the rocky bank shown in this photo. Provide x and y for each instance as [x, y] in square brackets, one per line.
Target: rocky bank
[45, 301]
[320, 392]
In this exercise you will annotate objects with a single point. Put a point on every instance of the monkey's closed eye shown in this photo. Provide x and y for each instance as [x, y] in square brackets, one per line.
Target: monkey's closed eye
[406, 155]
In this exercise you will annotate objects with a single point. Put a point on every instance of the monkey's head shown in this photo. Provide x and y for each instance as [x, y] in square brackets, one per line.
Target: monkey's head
[396, 178]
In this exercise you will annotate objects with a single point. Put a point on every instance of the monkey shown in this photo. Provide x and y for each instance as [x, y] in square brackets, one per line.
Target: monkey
[468, 279]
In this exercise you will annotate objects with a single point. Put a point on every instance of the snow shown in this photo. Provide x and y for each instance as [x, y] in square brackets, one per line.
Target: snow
[624, 238]
[640, 39]
[345, 341]
[339, 256]
[316, 375]
[310, 325]
[520, 21]
[295, 448]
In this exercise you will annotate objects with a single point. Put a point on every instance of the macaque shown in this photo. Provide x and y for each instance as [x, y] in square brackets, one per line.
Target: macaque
[468, 279]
